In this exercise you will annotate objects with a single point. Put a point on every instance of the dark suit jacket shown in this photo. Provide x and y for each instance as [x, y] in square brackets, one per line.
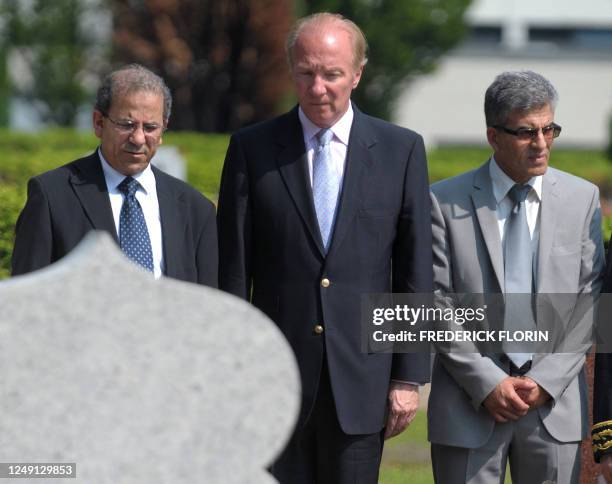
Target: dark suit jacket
[271, 252]
[66, 203]
[602, 405]
[602, 388]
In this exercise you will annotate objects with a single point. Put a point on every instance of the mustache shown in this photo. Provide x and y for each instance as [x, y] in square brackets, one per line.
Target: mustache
[134, 148]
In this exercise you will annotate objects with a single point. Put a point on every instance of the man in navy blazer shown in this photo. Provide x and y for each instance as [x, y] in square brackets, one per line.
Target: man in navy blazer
[132, 110]
[275, 252]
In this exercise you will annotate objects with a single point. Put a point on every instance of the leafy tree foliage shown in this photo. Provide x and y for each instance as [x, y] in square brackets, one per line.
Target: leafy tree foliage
[4, 89]
[223, 60]
[55, 50]
[405, 38]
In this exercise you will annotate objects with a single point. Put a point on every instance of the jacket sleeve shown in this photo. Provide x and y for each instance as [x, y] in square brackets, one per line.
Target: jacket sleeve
[555, 371]
[33, 247]
[412, 257]
[476, 374]
[207, 252]
[234, 223]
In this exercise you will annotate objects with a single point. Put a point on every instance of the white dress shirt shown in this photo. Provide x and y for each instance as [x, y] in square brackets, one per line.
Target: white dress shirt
[502, 184]
[147, 197]
[338, 144]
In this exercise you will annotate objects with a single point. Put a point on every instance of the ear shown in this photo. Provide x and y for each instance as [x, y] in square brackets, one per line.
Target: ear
[492, 138]
[357, 77]
[98, 123]
[161, 136]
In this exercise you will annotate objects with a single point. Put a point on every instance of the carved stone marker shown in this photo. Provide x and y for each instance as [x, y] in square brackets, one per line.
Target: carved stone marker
[137, 380]
[170, 160]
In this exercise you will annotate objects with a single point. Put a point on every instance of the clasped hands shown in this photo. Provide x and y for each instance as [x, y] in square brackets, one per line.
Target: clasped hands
[513, 397]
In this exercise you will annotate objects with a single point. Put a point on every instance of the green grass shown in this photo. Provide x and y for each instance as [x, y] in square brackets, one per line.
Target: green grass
[413, 474]
[204, 155]
[406, 458]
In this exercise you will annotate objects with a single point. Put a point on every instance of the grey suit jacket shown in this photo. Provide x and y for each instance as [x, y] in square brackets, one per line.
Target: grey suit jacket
[468, 259]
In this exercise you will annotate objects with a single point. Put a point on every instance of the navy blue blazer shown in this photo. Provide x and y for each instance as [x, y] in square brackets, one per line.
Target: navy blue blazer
[271, 252]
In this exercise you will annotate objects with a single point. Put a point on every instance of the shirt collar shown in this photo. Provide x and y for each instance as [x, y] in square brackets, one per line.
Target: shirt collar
[146, 178]
[341, 130]
[502, 183]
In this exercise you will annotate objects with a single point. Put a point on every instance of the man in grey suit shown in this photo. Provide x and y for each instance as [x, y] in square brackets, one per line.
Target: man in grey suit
[528, 409]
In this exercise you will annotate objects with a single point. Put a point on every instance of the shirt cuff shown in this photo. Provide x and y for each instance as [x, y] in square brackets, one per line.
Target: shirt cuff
[418, 384]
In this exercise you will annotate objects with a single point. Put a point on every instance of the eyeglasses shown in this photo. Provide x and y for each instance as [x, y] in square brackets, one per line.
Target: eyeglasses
[549, 132]
[128, 127]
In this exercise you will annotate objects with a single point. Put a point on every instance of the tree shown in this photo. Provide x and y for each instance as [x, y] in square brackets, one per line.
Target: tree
[4, 89]
[56, 51]
[405, 37]
[224, 61]
[4, 80]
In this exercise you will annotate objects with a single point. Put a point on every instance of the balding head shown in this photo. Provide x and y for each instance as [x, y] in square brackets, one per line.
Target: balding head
[319, 24]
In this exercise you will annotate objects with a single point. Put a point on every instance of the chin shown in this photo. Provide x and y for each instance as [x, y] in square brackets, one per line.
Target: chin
[537, 171]
[131, 168]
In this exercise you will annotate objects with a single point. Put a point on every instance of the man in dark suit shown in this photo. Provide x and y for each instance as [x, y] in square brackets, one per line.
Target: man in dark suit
[602, 411]
[160, 222]
[601, 431]
[318, 207]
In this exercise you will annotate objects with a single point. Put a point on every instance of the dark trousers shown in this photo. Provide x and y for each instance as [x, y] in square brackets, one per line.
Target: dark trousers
[321, 453]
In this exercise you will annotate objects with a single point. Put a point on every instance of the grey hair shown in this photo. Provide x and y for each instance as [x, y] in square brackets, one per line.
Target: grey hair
[321, 19]
[521, 91]
[128, 79]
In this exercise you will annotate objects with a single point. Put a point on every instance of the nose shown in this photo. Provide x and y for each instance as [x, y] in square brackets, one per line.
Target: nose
[318, 86]
[539, 140]
[138, 135]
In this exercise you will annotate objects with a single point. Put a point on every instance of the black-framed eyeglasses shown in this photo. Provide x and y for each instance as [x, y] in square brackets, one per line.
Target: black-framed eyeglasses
[128, 127]
[549, 132]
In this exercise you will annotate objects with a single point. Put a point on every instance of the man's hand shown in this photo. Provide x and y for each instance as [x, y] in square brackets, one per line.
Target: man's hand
[536, 397]
[403, 404]
[606, 467]
[504, 402]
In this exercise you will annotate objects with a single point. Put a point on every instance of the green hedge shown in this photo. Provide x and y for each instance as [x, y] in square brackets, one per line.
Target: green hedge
[592, 165]
[26, 155]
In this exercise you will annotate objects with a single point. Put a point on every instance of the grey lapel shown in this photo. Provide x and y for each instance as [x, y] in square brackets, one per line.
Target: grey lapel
[485, 207]
[548, 220]
[90, 188]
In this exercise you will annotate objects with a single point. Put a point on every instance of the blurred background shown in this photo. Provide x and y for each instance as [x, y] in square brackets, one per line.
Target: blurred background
[224, 60]
[430, 62]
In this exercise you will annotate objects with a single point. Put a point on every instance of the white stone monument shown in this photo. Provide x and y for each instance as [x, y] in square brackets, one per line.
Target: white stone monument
[139, 381]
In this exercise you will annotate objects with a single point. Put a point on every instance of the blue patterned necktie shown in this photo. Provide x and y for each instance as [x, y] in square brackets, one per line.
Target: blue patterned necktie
[518, 272]
[133, 233]
[325, 185]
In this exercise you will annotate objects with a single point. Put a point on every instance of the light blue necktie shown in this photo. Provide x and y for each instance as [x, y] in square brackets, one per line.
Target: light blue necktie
[518, 273]
[325, 185]
[133, 234]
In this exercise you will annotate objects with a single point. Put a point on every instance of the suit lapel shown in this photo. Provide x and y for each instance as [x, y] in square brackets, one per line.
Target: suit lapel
[293, 166]
[172, 215]
[90, 188]
[485, 207]
[358, 157]
[548, 220]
